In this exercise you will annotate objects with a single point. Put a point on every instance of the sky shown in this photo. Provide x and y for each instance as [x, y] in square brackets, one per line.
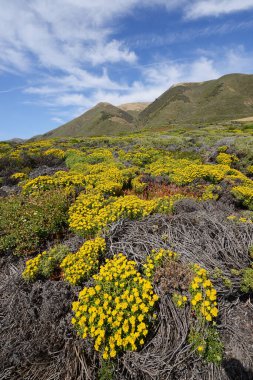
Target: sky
[58, 58]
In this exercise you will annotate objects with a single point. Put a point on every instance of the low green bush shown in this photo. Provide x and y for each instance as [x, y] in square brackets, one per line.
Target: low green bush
[247, 280]
[26, 222]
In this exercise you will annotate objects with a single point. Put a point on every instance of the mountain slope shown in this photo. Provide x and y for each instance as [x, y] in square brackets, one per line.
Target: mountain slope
[226, 98]
[103, 119]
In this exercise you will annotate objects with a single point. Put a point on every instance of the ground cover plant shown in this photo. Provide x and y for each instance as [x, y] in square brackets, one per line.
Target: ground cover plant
[128, 257]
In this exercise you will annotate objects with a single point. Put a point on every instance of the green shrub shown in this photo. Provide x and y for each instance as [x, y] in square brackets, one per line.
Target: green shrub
[25, 222]
[247, 280]
[45, 263]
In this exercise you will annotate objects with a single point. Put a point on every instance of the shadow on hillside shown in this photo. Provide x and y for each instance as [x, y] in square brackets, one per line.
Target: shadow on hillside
[236, 371]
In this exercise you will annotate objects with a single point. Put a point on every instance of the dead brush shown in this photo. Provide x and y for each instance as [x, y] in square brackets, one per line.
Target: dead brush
[173, 275]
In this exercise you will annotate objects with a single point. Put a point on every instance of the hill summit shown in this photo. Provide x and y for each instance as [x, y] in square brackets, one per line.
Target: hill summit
[103, 119]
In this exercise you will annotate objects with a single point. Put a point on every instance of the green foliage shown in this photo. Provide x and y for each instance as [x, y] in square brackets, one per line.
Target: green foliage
[244, 194]
[218, 274]
[247, 280]
[106, 372]
[214, 346]
[45, 263]
[208, 344]
[26, 222]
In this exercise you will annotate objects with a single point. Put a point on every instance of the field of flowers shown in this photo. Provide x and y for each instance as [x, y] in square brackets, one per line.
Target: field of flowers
[146, 243]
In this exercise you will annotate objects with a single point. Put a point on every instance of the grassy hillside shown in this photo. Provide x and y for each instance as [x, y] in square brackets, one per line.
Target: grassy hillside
[229, 97]
[103, 119]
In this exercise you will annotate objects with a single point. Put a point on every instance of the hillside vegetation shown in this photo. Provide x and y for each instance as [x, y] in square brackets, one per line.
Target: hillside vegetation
[128, 257]
[227, 98]
[103, 119]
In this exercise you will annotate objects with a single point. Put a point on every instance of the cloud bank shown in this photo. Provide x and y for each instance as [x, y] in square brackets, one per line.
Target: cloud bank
[68, 49]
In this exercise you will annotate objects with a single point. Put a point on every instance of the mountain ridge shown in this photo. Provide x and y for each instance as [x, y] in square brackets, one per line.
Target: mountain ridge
[229, 97]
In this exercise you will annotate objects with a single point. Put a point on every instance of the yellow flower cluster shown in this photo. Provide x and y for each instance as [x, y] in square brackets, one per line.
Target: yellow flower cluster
[16, 154]
[87, 215]
[226, 159]
[155, 259]
[203, 295]
[117, 311]
[105, 180]
[60, 179]
[45, 263]
[137, 185]
[244, 194]
[141, 157]
[239, 219]
[32, 268]
[84, 263]
[250, 169]
[209, 192]
[99, 155]
[40, 144]
[91, 213]
[179, 299]
[184, 171]
[18, 176]
[59, 153]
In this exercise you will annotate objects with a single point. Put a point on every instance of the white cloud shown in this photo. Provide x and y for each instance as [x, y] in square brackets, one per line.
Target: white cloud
[58, 120]
[66, 45]
[61, 34]
[154, 80]
[202, 8]
[67, 100]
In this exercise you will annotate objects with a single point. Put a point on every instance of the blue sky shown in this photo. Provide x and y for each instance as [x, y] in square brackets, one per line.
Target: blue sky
[59, 58]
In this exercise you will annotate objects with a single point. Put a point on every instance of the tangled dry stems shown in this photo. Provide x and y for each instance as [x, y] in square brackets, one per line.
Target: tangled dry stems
[35, 318]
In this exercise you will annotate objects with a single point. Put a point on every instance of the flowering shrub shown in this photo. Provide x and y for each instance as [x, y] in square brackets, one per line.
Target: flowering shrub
[60, 179]
[59, 153]
[45, 263]
[76, 267]
[91, 213]
[222, 149]
[250, 169]
[226, 159]
[203, 295]
[204, 303]
[155, 259]
[179, 299]
[137, 185]
[87, 215]
[244, 194]
[32, 268]
[139, 158]
[210, 192]
[99, 155]
[105, 180]
[184, 171]
[117, 311]
[18, 176]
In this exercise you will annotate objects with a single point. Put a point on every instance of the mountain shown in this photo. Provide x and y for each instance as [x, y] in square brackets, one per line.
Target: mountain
[16, 140]
[103, 119]
[229, 97]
